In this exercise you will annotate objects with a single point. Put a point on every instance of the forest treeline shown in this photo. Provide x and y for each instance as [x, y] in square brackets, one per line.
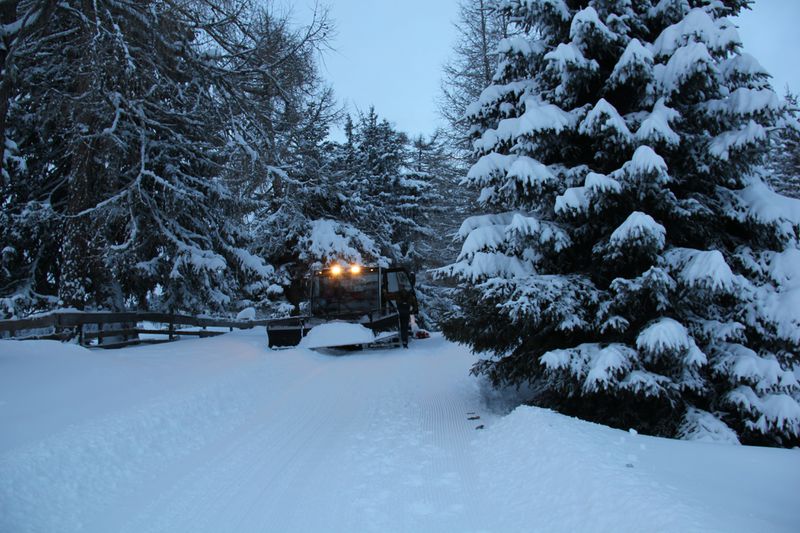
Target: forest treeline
[176, 155]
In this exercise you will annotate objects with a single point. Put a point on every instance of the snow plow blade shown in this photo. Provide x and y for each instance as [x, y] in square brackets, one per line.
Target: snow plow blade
[287, 331]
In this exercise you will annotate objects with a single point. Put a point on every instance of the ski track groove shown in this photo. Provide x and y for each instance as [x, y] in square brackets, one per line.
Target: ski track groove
[110, 436]
[445, 419]
[273, 454]
[215, 485]
[304, 468]
[305, 455]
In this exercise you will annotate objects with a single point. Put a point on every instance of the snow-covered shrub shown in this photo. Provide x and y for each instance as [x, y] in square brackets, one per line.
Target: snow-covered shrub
[633, 266]
[704, 426]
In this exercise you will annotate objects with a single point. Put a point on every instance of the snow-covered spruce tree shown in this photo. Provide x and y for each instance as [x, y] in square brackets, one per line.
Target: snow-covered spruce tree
[280, 181]
[635, 270]
[364, 200]
[300, 225]
[434, 160]
[382, 194]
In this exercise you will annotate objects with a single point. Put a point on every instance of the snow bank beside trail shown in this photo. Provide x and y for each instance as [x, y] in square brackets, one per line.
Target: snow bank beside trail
[563, 474]
[337, 334]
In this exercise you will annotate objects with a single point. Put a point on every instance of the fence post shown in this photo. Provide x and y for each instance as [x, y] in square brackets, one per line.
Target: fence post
[80, 334]
[100, 327]
[171, 327]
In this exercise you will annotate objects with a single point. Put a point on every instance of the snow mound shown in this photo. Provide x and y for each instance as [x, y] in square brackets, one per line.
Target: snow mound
[605, 118]
[784, 268]
[601, 183]
[646, 161]
[773, 411]
[636, 57]
[782, 309]
[696, 26]
[747, 136]
[574, 199]
[248, 313]
[656, 126]
[337, 334]
[329, 238]
[765, 374]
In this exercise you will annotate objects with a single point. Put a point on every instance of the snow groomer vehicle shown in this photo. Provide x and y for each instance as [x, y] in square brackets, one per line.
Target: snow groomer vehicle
[348, 305]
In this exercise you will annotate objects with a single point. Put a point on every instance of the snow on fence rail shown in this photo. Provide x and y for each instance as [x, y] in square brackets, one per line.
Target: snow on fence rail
[112, 330]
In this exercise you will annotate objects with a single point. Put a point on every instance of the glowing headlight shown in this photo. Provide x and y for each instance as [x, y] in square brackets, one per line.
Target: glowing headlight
[355, 269]
[336, 270]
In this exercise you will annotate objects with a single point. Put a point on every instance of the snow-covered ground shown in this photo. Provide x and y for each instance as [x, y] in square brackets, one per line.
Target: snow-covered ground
[224, 434]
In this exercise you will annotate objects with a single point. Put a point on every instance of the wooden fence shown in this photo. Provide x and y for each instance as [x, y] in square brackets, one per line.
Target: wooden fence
[114, 330]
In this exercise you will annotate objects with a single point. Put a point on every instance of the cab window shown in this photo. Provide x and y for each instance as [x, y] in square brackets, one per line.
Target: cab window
[404, 282]
[392, 283]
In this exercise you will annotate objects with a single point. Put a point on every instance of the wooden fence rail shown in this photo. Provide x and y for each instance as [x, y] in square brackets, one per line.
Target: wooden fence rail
[113, 330]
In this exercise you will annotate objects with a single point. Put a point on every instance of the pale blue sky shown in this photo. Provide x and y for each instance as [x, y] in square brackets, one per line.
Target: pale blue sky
[389, 53]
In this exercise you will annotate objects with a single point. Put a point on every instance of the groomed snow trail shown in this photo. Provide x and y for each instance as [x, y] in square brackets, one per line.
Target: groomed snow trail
[265, 440]
[224, 434]
[339, 443]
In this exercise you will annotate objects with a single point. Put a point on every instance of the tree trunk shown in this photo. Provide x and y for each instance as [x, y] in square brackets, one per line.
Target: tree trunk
[8, 14]
[82, 272]
[487, 69]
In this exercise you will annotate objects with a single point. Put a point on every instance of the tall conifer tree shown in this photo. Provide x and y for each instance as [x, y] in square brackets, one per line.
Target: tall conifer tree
[634, 268]
[146, 134]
